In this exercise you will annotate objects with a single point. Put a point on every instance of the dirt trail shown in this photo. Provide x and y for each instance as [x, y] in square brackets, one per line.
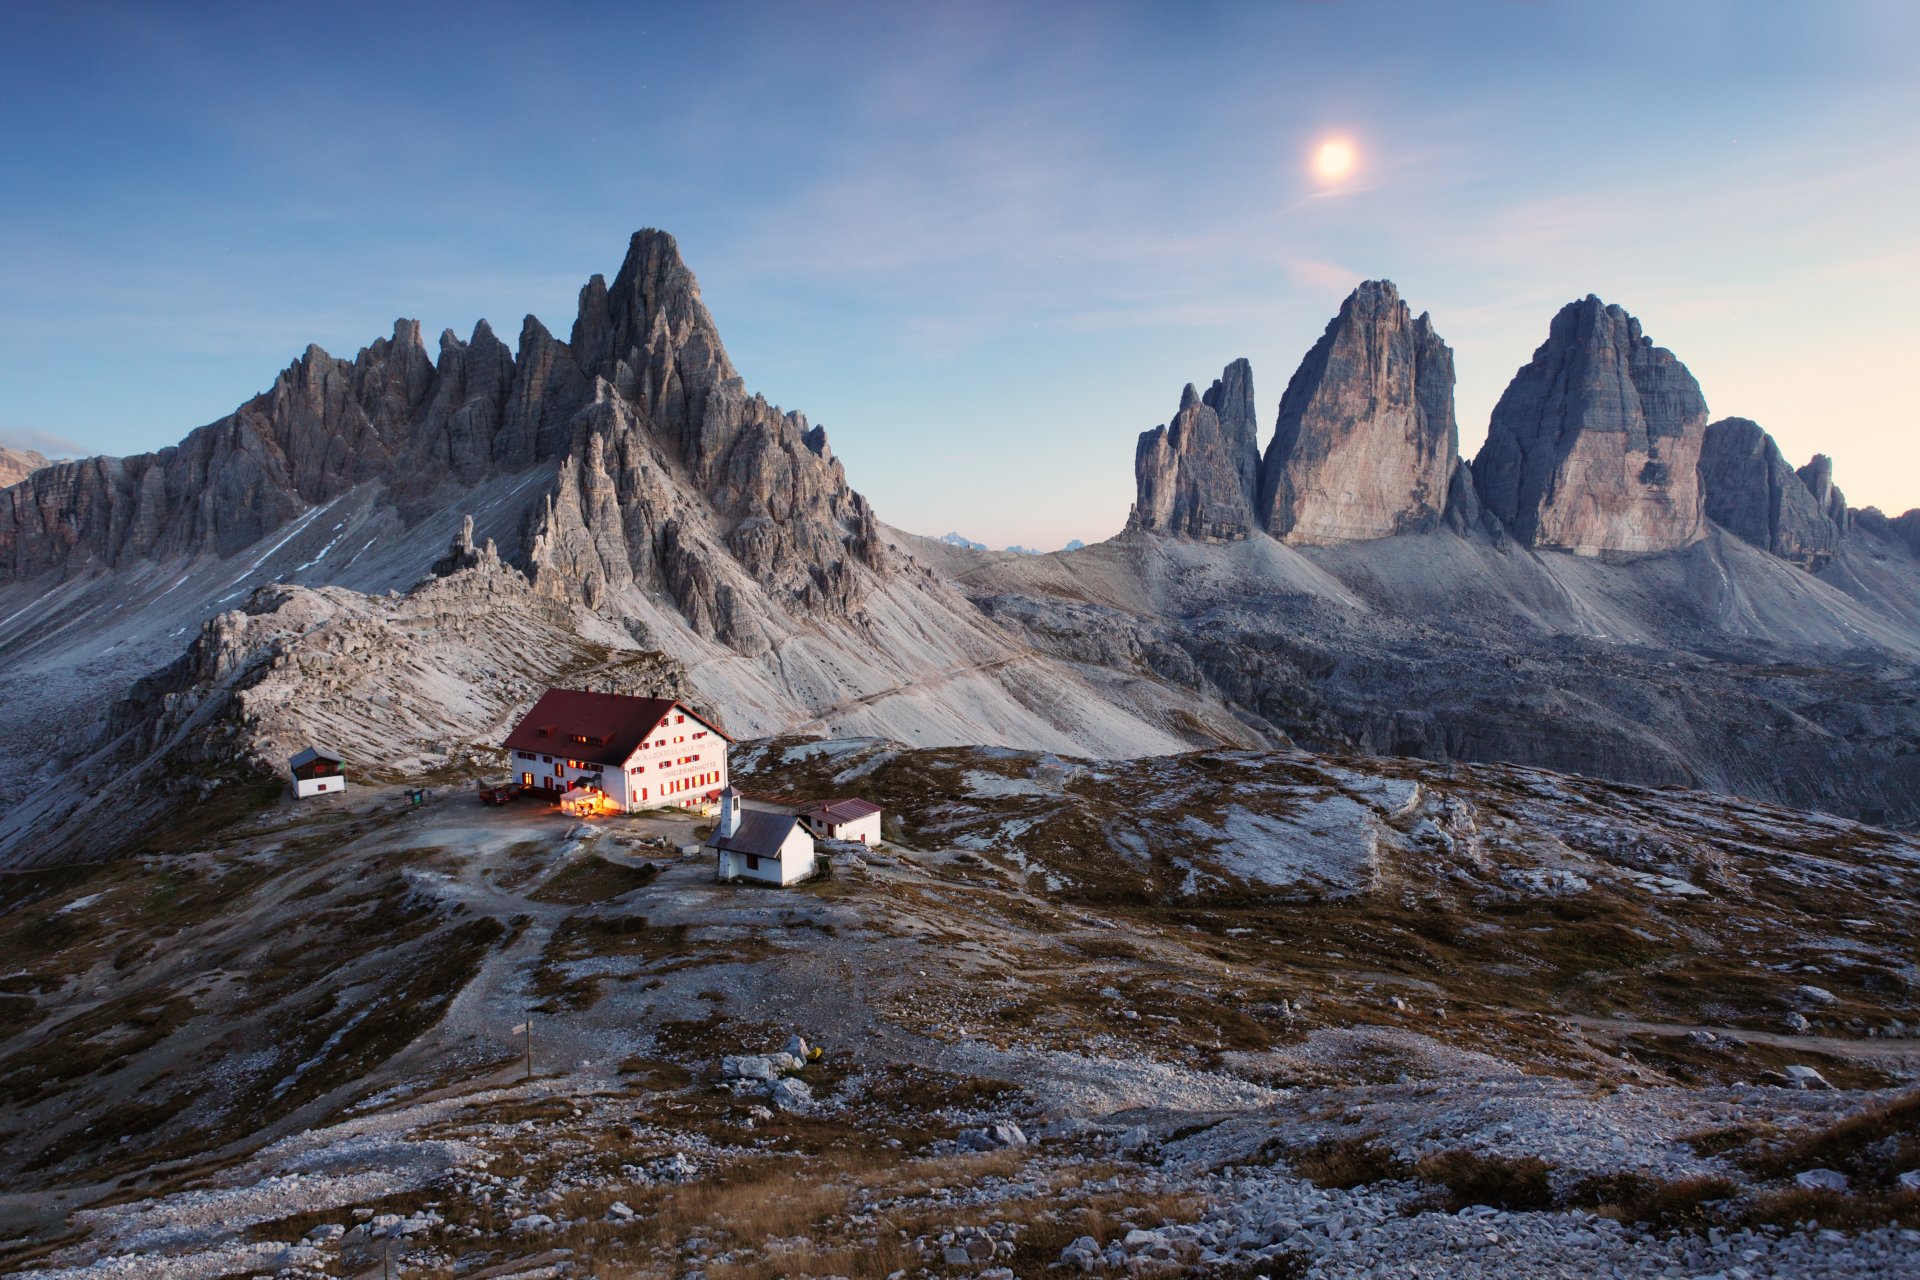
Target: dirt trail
[1885, 1052]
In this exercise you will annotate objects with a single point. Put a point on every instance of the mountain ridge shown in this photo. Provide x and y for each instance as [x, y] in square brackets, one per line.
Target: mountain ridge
[631, 481]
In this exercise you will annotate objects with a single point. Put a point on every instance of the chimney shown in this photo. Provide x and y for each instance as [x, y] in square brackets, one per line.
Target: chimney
[729, 812]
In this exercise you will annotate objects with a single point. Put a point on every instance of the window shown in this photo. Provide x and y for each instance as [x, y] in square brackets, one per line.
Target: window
[679, 719]
[546, 759]
[753, 863]
[699, 735]
[526, 779]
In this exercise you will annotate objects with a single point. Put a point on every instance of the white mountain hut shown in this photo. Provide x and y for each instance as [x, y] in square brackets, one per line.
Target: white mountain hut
[623, 754]
[317, 771]
[770, 847]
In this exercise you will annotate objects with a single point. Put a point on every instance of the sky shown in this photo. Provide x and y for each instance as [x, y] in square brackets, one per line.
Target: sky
[984, 245]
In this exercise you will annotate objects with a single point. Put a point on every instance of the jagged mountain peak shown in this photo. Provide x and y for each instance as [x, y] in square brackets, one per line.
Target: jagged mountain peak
[1198, 474]
[1365, 443]
[1595, 444]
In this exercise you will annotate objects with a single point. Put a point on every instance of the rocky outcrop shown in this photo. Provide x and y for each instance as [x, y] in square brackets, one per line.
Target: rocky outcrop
[1749, 490]
[1595, 445]
[17, 464]
[675, 472]
[1817, 475]
[1901, 530]
[667, 475]
[1366, 442]
[1199, 475]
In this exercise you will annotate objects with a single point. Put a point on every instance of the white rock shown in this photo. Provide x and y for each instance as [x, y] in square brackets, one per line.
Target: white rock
[1821, 1180]
[791, 1095]
[1000, 1134]
[749, 1066]
[1804, 1077]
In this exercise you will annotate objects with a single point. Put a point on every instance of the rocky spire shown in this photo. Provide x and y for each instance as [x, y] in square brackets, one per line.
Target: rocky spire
[1750, 491]
[1366, 442]
[1817, 475]
[1199, 474]
[1595, 444]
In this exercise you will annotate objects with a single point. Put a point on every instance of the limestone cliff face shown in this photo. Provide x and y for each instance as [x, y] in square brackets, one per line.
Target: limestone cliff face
[1749, 490]
[1595, 445]
[390, 415]
[1366, 441]
[666, 474]
[17, 464]
[1199, 475]
[674, 473]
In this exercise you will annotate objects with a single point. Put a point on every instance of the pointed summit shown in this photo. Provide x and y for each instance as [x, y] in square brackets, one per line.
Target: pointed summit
[1595, 444]
[1366, 439]
[1198, 475]
[1751, 492]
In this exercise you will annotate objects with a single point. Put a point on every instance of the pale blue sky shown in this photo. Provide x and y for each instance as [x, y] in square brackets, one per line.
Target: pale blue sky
[984, 245]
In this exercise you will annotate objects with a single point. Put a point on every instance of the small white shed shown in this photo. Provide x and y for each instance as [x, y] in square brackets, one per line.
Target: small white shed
[850, 820]
[317, 772]
[770, 847]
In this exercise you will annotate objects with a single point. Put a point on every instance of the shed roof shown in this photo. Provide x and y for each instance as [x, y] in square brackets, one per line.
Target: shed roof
[759, 833]
[836, 812]
[307, 755]
[615, 723]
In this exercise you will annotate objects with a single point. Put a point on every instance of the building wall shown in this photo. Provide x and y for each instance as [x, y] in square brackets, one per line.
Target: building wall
[683, 762]
[794, 863]
[866, 830]
[304, 787]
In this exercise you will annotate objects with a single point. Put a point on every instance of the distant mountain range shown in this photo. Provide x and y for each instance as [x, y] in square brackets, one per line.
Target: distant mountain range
[968, 544]
[1613, 586]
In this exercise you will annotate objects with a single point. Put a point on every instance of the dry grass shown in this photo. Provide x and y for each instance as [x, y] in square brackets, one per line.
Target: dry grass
[593, 879]
[1504, 1182]
[1345, 1163]
[1800, 1207]
[1873, 1146]
[1632, 1197]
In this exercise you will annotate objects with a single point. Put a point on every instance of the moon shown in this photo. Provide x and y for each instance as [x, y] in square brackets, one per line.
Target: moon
[1334, 159]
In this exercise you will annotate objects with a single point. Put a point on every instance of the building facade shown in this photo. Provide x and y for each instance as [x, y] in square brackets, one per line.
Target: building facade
[626, 753]
[773, 848]
[852, 820]
[317, 772]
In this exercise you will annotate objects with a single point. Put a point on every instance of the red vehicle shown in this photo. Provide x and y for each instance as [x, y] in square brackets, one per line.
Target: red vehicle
[496, 795]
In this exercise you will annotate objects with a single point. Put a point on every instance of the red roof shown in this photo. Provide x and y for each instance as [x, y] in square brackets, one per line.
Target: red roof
[836, 812]
[613, 724]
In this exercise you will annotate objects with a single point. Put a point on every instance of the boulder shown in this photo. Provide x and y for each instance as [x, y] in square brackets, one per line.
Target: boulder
[1595, 445]
[1821, 1180]
[1366, 442]
[1000, 1135]
[789, 1094]
[1804, 1077]
[750, 1066]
